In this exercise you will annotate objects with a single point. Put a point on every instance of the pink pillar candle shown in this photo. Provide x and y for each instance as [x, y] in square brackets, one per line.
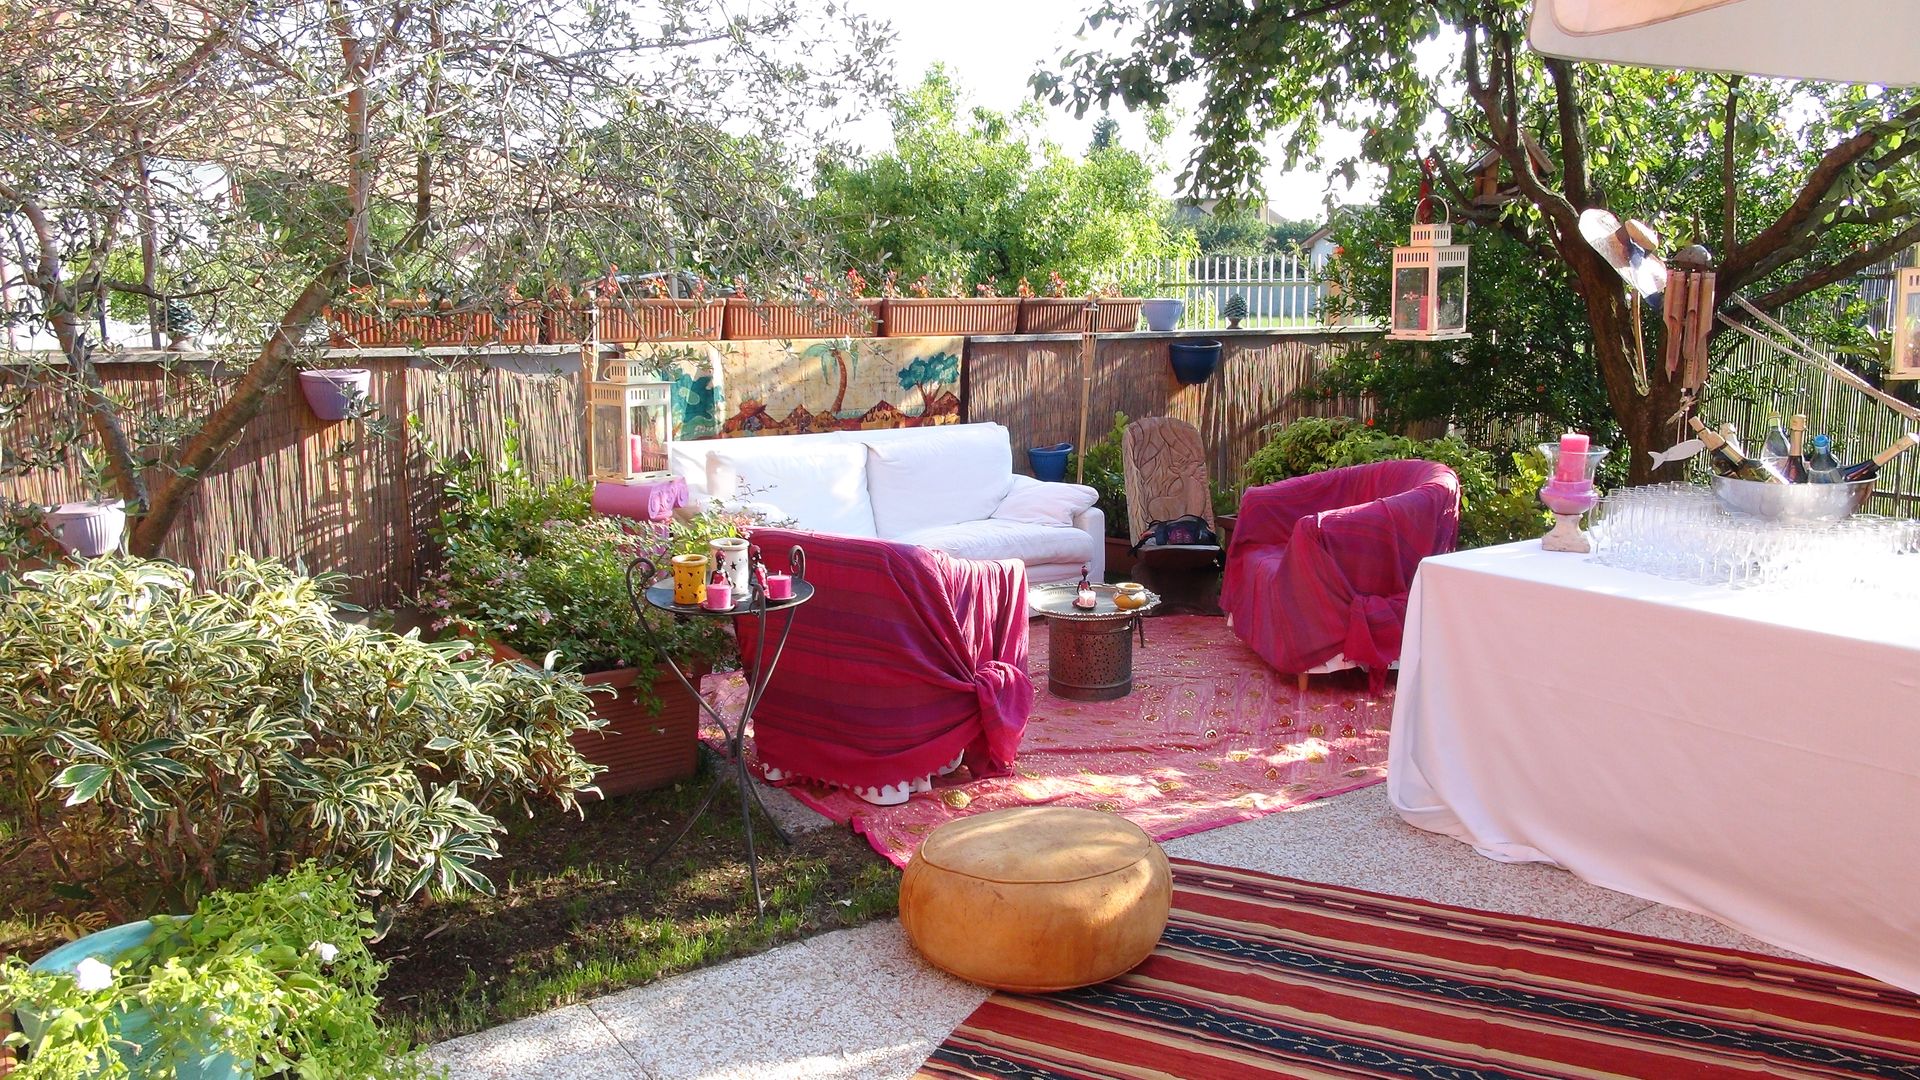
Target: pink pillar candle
[719, 594]
[779, 586]
[1573, 458]
[636, 453]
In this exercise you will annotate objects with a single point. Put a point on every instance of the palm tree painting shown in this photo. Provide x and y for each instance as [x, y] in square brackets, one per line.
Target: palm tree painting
[838, 353]
[927, 374]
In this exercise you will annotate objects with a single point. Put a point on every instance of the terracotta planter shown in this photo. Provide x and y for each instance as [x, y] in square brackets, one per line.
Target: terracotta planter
[522, 323]
[749, 320]
[661, 320]
[1119, 555]
[410, 323]
[929, 316]
[1063, 315]
[566, 323]
[641, 748]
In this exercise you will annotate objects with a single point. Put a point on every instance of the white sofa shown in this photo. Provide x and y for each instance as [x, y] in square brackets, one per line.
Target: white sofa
[950, 487]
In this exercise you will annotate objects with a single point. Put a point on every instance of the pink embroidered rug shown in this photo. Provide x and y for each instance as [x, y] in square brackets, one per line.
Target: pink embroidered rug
[1210, 736]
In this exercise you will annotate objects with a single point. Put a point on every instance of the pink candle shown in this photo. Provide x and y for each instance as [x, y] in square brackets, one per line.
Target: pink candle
[636, 453]
[1573, 458]
[719, 594]
[779, 586]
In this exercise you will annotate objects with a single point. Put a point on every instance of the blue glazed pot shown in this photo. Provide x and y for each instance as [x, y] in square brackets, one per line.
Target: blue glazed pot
[135, 1025]
[1049, 462]
[1193, 361]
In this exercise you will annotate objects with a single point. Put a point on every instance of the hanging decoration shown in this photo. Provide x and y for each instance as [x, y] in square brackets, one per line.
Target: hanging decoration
[1905, 363]
[1630, 250]
[1429, 285]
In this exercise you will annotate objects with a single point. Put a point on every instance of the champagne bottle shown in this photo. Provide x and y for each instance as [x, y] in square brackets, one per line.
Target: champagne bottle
[1870, 468]
[1796, 470]
[1775, 450]
[1729, 461]
[1822, 466]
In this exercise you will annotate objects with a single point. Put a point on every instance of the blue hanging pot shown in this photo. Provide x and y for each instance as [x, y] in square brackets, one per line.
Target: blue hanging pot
[1193, 361]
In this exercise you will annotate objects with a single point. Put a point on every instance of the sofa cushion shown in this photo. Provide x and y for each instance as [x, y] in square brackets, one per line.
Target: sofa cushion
[820, 486]
[1038, 502]
[692, 459]
[1005, 540]
[939, 476]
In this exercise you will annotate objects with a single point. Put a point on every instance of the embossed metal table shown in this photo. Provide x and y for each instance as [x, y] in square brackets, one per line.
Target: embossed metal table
[1089, 652]
[644, 592]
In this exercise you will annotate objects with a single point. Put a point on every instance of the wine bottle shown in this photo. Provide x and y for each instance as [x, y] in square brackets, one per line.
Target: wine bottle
[1796, 470]
[1775, 450]
[1729, 461]
[1822, 466]
[1732, 435]
[1870, 468]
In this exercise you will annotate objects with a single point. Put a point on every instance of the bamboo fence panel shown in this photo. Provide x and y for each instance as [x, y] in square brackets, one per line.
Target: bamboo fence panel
[1033, 388]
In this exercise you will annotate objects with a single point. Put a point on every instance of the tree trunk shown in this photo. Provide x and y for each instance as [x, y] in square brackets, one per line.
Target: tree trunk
[1644, 419]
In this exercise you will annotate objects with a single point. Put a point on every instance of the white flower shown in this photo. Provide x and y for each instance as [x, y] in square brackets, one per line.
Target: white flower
[91, 974]
[324, 951]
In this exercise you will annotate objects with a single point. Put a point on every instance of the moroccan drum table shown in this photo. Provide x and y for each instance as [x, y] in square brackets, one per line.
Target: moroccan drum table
[1089, 651]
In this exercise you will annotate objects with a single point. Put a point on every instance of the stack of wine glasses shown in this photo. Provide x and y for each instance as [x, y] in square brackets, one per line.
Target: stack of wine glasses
[1681, 531]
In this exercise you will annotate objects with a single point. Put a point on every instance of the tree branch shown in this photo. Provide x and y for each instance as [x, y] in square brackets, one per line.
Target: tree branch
[1729, 194]
[1839, 270]
[1573, 135]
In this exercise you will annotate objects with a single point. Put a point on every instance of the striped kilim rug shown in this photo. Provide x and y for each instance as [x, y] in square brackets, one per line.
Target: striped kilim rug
[1266, 976]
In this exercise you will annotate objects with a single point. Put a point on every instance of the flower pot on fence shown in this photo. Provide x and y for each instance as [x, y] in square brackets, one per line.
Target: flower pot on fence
[661, 320]
[566, 324]
[336, 393]
[750, 320]
[1049, 462]
[1193, 361]
[927, 316]
[1163, 313]
[88, 529]
[410, 323]
[134, 1025]
[522, 322]
[1060, 315]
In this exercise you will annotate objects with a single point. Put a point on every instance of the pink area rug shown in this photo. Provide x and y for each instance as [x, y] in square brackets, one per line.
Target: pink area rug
[1209, 736]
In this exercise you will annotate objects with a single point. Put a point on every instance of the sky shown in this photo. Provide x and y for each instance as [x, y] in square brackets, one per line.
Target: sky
[992, 46]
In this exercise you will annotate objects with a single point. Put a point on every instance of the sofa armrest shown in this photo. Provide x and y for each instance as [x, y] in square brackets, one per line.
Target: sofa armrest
[1094, 523]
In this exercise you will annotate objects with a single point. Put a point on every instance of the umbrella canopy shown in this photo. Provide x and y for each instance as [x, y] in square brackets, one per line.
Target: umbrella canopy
[1864, 41]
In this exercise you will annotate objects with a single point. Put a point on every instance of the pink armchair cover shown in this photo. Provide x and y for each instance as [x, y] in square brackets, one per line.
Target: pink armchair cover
[904, 658]
[1320, 564]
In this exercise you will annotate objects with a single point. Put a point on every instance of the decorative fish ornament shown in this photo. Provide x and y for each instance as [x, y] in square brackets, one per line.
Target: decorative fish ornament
[1676, 452]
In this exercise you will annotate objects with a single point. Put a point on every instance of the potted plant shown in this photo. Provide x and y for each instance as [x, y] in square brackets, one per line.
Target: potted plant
[927, 316]
[1163, 312]
[336, 393]
[657, 316]
[1058, 313]
[1193, 361]
[820, 315]
[88, 529]
[365, 321]
[1105, 472]
[532, 571]
[277, 980]
[1234, 310]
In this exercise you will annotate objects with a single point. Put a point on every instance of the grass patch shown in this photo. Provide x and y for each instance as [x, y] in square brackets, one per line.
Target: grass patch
[575, 917]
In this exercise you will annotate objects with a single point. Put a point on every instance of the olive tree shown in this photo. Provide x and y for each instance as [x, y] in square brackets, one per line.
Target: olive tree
[254, 162]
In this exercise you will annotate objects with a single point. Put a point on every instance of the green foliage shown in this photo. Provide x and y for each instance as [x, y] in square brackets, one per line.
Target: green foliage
[971, 196]
[1235, 308]
[162, 740]
[1492, 510]
[528, 563]
[279, 977]
[1106, 474]
[1238, 230]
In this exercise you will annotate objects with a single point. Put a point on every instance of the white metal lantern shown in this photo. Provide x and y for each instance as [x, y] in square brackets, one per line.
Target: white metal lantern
[630, 424]
[1429, 300]
[1905, 363]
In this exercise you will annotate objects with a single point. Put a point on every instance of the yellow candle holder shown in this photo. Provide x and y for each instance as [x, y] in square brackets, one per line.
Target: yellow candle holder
[1129, 595]
[690, 579]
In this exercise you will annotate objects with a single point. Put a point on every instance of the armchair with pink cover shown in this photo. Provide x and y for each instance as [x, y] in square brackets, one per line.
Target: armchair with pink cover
[1319, 567]
[906, 663]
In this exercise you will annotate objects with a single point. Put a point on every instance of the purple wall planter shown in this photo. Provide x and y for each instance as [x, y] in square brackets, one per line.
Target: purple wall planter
[88, 529]
[336, 393]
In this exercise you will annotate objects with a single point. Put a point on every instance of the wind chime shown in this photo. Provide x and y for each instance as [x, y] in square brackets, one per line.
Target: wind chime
[1429, 283]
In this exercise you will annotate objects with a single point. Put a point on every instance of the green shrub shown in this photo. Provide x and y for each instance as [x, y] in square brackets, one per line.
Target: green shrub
[163, 740]
[1106, 473]
[1493, 509]
[278, 977]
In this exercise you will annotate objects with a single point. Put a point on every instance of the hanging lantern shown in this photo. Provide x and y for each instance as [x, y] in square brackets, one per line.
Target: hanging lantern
[1429, 284]
[630, 423]
[1905, 363]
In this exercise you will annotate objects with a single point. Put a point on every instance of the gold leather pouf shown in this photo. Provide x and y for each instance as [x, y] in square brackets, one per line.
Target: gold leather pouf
[1036, 898]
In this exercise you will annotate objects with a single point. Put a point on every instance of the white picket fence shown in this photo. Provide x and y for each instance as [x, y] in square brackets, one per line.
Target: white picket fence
[1280, 290]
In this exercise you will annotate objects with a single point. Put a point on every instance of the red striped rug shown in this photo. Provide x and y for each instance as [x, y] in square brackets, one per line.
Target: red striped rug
[1266, 976]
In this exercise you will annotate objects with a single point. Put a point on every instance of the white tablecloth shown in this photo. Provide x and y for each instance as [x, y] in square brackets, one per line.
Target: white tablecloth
[1746, 754]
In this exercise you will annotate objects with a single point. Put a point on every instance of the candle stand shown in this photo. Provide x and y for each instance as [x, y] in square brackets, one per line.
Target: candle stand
[1570, 493]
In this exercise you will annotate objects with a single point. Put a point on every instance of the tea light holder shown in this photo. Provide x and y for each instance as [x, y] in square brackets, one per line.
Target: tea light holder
[779, 586]
[1570, 492]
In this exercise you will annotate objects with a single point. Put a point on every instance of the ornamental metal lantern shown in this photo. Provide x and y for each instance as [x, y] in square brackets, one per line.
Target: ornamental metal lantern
[1429, 284]
[1906, 327]
[630, 423]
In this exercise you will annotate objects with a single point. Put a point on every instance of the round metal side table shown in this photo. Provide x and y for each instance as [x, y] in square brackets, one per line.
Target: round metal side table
[1089, 651]
[643, 592]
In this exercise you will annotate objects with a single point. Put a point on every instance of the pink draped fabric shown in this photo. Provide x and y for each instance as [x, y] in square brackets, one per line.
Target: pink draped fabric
[1320, 564]
[905, 658]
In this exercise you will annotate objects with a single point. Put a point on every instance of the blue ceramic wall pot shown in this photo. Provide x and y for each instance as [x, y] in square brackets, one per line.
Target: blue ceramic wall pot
[1193, 361]
[1049, 462]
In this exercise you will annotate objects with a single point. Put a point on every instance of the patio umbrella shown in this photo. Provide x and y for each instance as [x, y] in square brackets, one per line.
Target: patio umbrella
[1866, 41]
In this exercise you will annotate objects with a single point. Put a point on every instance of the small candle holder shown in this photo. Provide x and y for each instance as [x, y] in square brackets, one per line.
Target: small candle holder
[1569, 494]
